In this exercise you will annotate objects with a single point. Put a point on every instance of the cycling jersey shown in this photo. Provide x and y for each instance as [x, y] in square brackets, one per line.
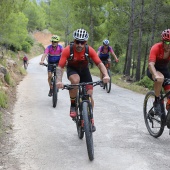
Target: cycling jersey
[161, 64]
[104, 52]
[53, 54]
[157, 54]
[25, 58]
[79, 60]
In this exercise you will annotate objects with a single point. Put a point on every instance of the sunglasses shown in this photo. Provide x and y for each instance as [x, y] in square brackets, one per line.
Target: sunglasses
[167, 42]
[80, 42]
[54, 41]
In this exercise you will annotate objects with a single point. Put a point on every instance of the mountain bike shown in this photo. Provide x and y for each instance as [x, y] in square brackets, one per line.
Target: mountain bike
[25, 65]
[107, 86]
[154, 123]
[84, 118]
[53, 84]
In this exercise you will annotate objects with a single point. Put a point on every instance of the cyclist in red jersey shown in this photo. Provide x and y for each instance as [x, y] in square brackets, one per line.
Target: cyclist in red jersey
[158, 68]
[77, 67]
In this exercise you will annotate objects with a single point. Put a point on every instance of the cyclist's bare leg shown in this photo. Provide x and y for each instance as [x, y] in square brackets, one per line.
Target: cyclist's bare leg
[90, 92]
[109, 63]
[74, 79]
[49, 78]
[158, 83]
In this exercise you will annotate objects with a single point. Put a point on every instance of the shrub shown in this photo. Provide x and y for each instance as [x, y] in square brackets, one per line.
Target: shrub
[26, 47]
[30, 40]
[146, 82]
[3, 99]
[7, 78]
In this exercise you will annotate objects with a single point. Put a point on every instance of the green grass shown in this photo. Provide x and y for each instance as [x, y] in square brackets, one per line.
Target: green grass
[1, 131]
[117, 79]
[3, 99]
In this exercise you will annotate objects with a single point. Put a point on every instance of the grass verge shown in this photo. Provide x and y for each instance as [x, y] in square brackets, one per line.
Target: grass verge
[118, 80]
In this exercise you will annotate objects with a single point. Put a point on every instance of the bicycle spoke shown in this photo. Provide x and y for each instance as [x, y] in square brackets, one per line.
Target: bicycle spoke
[153, 122]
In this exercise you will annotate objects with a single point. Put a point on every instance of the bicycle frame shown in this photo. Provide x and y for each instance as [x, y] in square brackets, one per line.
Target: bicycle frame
[53, 83]
[84, 116]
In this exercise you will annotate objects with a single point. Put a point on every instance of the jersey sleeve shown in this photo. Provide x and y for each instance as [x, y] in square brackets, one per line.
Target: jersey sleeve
[99, 49]
[93, 55]
[111, 49]
[153, 53]
[64, 56]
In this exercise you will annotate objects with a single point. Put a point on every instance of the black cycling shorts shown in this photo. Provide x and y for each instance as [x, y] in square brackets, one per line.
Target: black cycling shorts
[50, 67]
[84, 73]
[165, 72]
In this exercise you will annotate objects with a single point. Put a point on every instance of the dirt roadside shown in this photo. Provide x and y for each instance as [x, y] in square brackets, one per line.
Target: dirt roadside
[7, 162]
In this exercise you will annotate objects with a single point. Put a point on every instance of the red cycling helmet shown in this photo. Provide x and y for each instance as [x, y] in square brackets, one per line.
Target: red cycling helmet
[166, 35]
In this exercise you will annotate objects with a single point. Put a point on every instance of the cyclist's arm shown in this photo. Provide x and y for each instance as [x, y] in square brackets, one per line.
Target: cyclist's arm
[102, 68]
[152, 69]
[43, 58]
[62, 62]
[59, 73]
[114, 55]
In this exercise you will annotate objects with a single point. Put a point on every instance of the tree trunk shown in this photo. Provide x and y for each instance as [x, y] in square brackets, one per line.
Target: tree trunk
[138, 67]
[131, 28]
[155, 16]
[145, 59]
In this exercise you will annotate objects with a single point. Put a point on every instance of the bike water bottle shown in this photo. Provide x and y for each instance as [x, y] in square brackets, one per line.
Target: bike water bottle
[168, 103]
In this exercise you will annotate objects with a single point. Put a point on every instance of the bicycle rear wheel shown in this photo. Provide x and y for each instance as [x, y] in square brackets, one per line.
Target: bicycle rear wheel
[108, 85]
[25, 66]
[80, 129]
[88, 129]
[154, 123]
[55, 93]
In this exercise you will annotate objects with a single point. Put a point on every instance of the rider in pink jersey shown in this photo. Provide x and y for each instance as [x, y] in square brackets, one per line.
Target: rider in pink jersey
[104, 53]
[53, 54]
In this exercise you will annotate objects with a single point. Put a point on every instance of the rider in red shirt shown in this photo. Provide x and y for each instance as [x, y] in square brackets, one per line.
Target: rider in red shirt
[77, 67]
[158, 68]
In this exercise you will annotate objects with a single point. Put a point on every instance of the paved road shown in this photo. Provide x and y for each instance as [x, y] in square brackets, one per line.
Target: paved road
[46, 138]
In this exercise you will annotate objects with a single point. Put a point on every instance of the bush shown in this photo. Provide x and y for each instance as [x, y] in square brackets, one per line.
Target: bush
[3, 99]
[26, 47]
[146, 82]
[30, 40]
[7, 78]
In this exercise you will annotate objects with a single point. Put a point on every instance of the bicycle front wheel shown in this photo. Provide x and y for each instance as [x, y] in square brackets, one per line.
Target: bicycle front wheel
[108, 85]
[88, 129]
[55, 93]
[154, 123]
[80, 129]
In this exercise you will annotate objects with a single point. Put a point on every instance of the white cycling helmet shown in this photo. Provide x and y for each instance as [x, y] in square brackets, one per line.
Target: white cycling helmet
[106, 42]
[81, 35]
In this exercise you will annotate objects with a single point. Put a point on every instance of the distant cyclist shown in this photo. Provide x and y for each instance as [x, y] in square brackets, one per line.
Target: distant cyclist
[25, 61]
[53, 54]
[158, 70]
[77, 66]
[104, 53]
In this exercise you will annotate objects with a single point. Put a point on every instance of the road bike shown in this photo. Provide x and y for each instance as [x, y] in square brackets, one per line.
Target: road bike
[53, 84]
[154, 123]
[107, 86]
[84, 119]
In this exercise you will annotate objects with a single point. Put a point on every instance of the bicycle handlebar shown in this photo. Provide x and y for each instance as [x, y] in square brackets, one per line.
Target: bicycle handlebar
[54, 65]
[70, 86]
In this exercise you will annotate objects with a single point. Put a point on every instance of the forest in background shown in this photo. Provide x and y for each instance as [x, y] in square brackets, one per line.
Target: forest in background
[132, 26]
